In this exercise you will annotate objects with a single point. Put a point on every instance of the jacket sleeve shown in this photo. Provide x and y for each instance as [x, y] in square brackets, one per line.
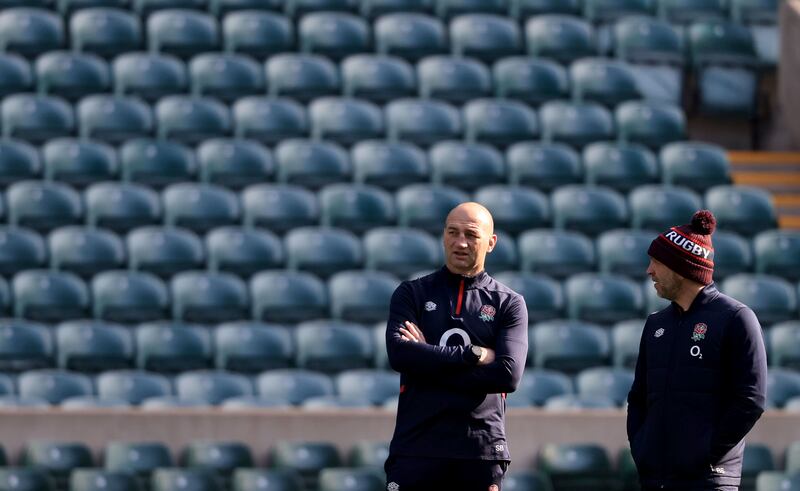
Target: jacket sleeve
[511, 350]
[746, 364]
[415, 358]
[637, 397]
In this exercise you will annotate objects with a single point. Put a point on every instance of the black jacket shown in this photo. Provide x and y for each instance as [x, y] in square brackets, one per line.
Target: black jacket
[449, 407]
[700, 387]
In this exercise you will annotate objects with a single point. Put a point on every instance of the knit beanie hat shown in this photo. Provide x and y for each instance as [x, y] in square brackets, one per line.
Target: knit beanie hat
[687, 249]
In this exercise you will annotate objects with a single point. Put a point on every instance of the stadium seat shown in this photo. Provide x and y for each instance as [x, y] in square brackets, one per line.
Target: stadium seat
[78, 162]
[222, 457]
[82, 403]
[144, 8]
[132, 386]
[182, 32]
[322, 250]
[410, 35]
[16, 74]
[288, 296]
[137, 458]
[588, 209]
[742, 209]
[652, 302]
[514, 208]
[499, 122]
[644, 38]
[172, 347]
[259, 479]
[114, 118]
[484, 36]
[378, 78]
[525, 480]
[333, 34]
[524, 9]
[71, 75]
[183, 479]
[19, 161]
[225, 76]
[614, 383]
[234, 163]
[250, 347]
[48, 295]
[199, 207]
[298, 8]
[504, 256]
[588, 345]
[757, 458]
[243, 251]
[361, 296]
[545, 166]
[447, 9]
[531, 80]
[57, 458]
[558, 253]
[609, 82]
[620, 166]
[349, 479]
[777, 481]
[465, 166]
[732, 254]
[100, 480]
[329, 346]
[423, 122]
[164, 251]
[782, 385]
[293, 386]
[30, 31]
[627, 471]
[85, 251]
[53, 386]
[624, 252]
[302, 76]
[543, 295]
[661, 207]
[306, 458]
[20, 249]
[345, 120]
[602, 298]
[625, 336]
[401, 251]
[538, 385]
[93, 346]
[453, 79]
[356, 207]
[576, 466]
[156, 163]
[688, 11]
[256, 32]
[650, 123]
[191, 119]
[149, 75]
[27, 478]
[561, 37]
[607, 11]
[24, 346]
[793, 457]
[370, 454]
[426, 206]
[772, 298]
[211, 386]
[36, 117]
[105, 31]
[279, 207]
[375, 386]
[208, 297]
[576, 124]
[121, 206]
[777, 252]
[389, 165]
[782, 344]
[312, 163]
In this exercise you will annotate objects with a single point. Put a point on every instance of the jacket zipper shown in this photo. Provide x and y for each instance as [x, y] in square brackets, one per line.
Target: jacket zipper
[460, 297]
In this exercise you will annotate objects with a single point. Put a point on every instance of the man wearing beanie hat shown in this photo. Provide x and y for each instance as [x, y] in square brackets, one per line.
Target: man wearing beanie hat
[701, 375]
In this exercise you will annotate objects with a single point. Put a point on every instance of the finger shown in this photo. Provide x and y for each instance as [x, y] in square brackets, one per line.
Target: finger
[408, 335]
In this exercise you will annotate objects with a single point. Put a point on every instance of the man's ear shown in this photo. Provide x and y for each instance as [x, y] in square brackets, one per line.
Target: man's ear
[492, 242]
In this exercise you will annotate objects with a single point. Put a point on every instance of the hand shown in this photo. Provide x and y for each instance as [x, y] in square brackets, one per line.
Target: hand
[412, 333]
[487, 356]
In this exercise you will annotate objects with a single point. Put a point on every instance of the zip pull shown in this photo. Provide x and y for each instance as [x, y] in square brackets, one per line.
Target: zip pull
[460, 297]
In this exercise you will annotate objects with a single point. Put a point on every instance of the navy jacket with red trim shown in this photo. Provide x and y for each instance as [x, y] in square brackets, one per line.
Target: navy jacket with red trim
[449, 407]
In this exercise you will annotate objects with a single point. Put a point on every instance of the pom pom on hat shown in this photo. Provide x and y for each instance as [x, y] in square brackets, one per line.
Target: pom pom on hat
[704, 223]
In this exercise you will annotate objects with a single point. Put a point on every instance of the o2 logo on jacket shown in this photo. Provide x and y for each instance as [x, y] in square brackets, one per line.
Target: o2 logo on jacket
[456, 331]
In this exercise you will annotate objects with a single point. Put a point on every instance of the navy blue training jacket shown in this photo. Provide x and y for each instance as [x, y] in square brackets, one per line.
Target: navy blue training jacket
[449, 407]
[700, 386]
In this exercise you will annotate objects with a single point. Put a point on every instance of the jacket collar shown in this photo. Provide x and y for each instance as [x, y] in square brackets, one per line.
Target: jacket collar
[703, 297]
[477, 281]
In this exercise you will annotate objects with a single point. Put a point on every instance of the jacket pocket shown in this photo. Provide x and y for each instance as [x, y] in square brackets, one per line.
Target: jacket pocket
[690, 436]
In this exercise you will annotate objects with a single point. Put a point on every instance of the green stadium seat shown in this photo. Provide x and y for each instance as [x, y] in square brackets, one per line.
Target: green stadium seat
[545, 166]
[588, 345]
[515, 208]
[250, 347]
[782, 385]
[628, 473]
[121, 206]
[234, 163]
[448, 9]
[132, 386]
[260, 479]
[504, 256]
[423, 122]
[576, 466]
[609, 82]
[625, 337]
[410, 35]
[350, 479]
[557, 253]
[651, 123]
[149, 75]
[85, 251]
[374, 386]
[208, 297]
[564, 38]
[25, 346]
[312, 163]
[369, 454]
[172, 347]
[401, 251]
[170, 403]
[643, 38]
[256, 32]
[333, 34]
[777, 481]
[426, 206]
[537, 386]
[331, 346]
[137, 458]
[742, 209]
[378, 78]
[211, 386]
[26, 479]
[323, 251]
[757, 459]
[624, 251]
[93, 346]
[782, 345]
[576, 123]
[180, 479]
[758, 11]
[688, 11]
[465, 165]
[732, 254]
[649, 210]
[614, 383]
[357, 208]
[225, 76]
[221, 457]
[772, 298]
[71, 75]
[199, 207]
[288, 296]
[20, 249]
[793, 458]
[499, 122]
[602, 298]
[19, 161]
[53, 386]
[156, 163]
[36, 117]
[23, 402]
[485, 36]
[293, 386]
[778, 252]
[182, 32]
[191, 119]
[30, 31]
[302, 76]
[588, 209]
[345, 120]
[279, 207]
[57, 458]
[114, 118]
[530, 80]
[16, 74]
[248, 403]
[621, 166]
[243, 251]
[389, 165]
[47, 295]
[527, 481]
[79, 162]
[105, 31]
[606, 11]
[164, 251]
[453, 79]
[100, 480]
[361, 296]
[306, 458]
[543, 294]
[696, 165]
[82, 403]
